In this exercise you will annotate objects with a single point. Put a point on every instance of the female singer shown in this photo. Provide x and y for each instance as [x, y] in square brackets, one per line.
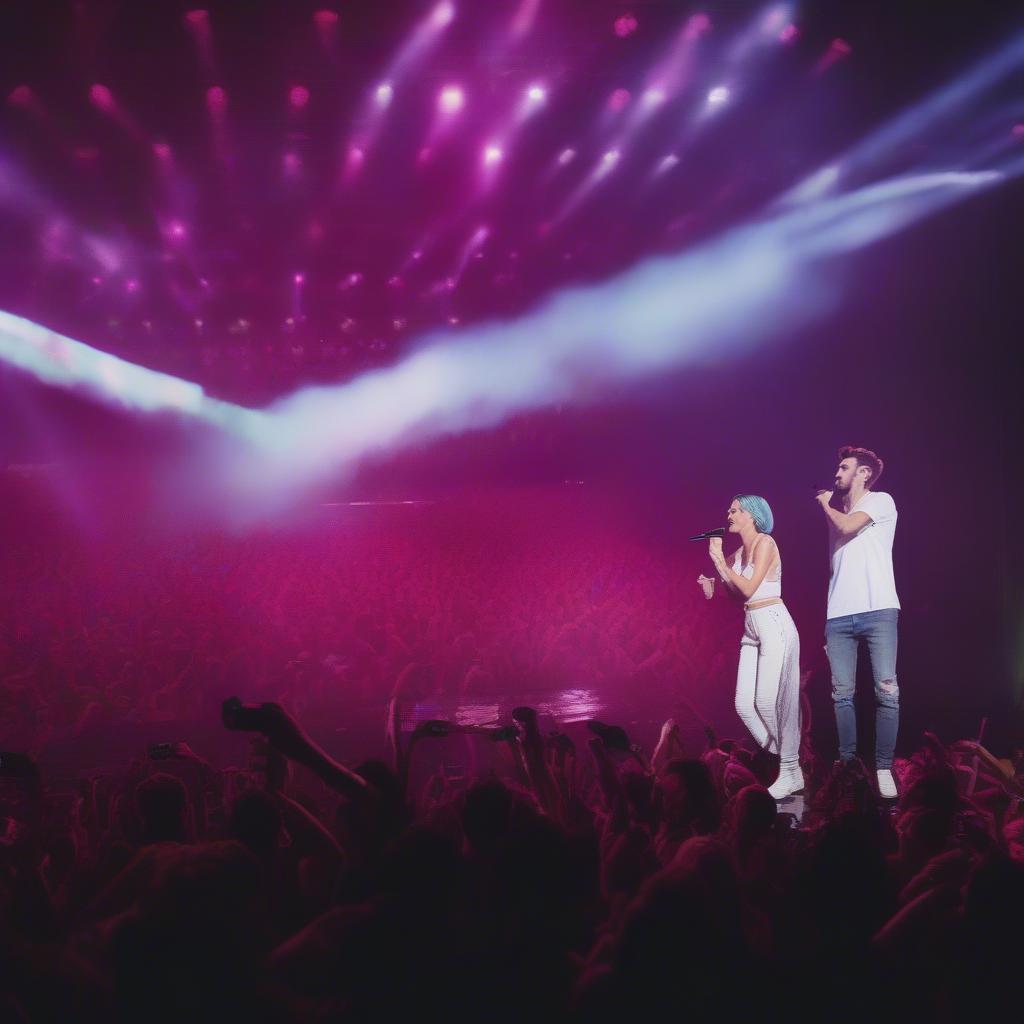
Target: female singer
[768, 679]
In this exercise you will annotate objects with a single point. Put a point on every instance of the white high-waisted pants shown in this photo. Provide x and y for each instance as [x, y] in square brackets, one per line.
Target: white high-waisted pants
[768, 681]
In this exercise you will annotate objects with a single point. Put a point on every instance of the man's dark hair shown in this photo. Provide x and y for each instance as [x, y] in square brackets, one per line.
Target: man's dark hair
[864, 457]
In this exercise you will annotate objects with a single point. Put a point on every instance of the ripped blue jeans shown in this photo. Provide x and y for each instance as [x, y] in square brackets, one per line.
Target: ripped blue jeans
[843, 636]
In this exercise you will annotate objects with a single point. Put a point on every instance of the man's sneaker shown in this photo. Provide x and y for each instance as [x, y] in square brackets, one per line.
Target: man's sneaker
[789, 782]
[886, 784]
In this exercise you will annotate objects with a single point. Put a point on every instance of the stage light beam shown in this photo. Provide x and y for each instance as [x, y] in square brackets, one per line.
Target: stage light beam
[451, 100]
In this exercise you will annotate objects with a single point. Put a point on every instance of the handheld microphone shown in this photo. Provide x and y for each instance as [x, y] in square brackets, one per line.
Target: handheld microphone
[719, 531]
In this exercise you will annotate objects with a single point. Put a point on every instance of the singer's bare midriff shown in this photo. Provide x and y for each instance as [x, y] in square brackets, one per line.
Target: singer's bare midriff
[768, 601]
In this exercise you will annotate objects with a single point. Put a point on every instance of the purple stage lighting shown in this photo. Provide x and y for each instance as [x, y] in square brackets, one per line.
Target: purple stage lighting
[696, 26]
[299, 278]
[524, 18]
[451, 99]
[838, 50]
[666, 163]
[492, 155]
[619, 100]
[354, 159]
[326, 23]
[20, 97]
[442, 14]
[384, 94]
[101, 97]
[298, 96]
[625, 25]
[162, 151]
[216, 99]
[718, 95]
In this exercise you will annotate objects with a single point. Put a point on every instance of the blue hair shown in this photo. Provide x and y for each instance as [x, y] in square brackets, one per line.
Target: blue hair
[759, 509]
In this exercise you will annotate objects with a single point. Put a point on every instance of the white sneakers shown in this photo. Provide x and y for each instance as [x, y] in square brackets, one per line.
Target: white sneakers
[886, 784]
[790, 781]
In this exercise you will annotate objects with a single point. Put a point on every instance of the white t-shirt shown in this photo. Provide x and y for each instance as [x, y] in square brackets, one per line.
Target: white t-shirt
[862, 576]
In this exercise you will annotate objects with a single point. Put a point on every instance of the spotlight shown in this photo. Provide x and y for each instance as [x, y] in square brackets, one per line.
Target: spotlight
[176, 229]
[384, 94]
[216, 98]
[718, 96]
[197, 18]
[697, 25]
[161, 151]
[619, 99]
[442, 14]
[101, 97]
[451, 99]
[299, 278]
[298, 96]
[566, 157]
[625, 25]
[492, 155]
[536, 94]
[325, 19]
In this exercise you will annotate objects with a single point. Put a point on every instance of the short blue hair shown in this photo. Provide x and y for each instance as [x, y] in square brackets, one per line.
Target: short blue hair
[759, 509]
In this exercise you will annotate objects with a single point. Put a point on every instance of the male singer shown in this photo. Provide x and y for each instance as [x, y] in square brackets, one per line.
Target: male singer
[862, 603]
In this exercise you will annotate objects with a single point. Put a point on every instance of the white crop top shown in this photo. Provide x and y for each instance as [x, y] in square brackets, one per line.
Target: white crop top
[771, 585]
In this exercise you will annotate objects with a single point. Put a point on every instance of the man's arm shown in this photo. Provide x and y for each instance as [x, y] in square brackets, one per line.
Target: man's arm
[846, 524]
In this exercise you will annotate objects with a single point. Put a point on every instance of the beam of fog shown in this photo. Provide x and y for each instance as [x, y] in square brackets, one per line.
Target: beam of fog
[739, 290]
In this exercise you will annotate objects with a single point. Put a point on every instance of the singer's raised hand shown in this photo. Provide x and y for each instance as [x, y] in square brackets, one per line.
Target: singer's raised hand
[823, 498]
[715, 547]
